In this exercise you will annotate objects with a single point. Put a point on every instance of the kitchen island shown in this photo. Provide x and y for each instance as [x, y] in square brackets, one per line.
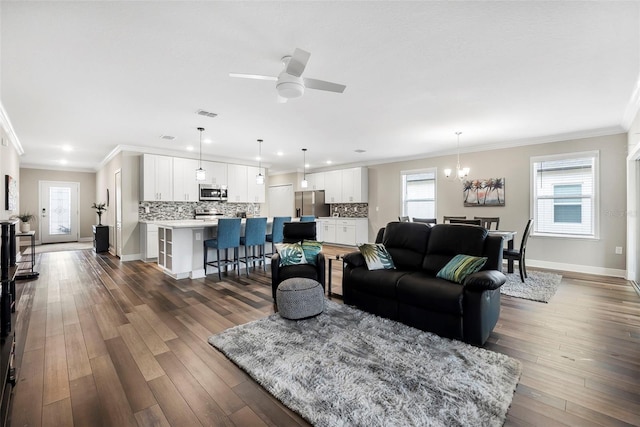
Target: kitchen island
[180, 245]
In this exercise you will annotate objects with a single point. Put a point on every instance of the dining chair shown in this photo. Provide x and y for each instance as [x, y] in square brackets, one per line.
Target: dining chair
[446, 219]
[487, 221]
[255, 236]
[519, 255]
[307, 218]
[403, 218]
[464, 221]
[430, 221]
[276, 232]
[227, 237]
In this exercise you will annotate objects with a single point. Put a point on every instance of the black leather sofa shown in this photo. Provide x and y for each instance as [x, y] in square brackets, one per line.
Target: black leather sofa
[412, 294]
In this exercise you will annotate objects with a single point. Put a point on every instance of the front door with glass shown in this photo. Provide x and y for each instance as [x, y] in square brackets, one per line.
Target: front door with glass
[58, 212]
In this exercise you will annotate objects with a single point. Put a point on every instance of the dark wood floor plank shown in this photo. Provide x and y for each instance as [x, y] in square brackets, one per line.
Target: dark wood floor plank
[139, 394]
[153, 341]
[152, 417]
[147, 364]
[266, 406]
[85, 402]
[76, 352]
[56, 375]
[246, 417]
[57, 414]
[93, 340]
[27, 403]
[114, 406]
[173, 405]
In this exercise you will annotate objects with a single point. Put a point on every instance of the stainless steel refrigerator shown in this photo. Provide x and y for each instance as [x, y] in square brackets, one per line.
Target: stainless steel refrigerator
[311, 203]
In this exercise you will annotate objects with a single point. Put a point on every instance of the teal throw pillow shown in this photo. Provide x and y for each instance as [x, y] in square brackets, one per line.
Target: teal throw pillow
[311, 249]
[290, 254]
[376, 256]
[460, 267]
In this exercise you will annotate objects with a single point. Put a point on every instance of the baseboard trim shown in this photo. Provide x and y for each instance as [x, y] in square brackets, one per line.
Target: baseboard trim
[132, 257]
[577, 268]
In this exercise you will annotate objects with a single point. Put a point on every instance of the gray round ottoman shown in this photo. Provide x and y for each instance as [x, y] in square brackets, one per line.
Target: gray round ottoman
[298, 298]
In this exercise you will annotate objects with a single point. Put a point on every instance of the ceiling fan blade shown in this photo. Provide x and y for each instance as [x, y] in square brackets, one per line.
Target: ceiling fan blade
[282, 100]
[322, 85]
[298, 62]
[253, 76]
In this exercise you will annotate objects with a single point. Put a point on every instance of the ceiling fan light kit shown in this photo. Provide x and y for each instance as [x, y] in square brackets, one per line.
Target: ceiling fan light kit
[290, 83]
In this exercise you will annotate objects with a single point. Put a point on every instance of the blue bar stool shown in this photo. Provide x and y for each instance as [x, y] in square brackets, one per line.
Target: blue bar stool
[276, 235]
[307, 218]
[228, 237]
[255, 235]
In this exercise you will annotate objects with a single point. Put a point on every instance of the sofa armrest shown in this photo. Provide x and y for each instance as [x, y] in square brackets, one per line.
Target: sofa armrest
[484, 280]
[354, 259]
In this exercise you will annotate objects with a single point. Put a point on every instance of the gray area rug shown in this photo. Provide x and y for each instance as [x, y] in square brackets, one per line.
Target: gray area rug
[539, 286]
[346, 367]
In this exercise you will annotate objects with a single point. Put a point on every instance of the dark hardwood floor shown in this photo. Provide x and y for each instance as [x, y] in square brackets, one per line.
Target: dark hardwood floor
[102, 342]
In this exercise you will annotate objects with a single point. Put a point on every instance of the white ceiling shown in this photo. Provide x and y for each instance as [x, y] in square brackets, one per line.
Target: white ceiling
[98, 75]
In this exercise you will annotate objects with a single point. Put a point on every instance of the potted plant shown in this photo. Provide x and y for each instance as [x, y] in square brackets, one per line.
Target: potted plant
[99, 207]
[26, 219]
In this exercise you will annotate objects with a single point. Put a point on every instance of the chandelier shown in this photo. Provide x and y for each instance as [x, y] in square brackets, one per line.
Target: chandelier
[461, 173]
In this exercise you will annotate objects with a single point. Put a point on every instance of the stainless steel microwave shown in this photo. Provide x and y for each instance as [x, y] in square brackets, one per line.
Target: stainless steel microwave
[216, 193]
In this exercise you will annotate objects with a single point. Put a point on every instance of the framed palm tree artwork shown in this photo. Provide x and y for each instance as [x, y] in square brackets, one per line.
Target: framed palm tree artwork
[483, 192]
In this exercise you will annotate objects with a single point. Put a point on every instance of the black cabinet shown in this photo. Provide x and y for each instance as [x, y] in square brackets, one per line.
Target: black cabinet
[101, 238]
[8, 316]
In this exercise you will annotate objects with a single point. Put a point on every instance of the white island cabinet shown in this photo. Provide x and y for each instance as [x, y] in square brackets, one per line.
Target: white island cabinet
[343, 231]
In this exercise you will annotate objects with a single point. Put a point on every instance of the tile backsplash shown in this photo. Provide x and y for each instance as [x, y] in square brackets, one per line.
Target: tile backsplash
[350, 210]
[151, 211]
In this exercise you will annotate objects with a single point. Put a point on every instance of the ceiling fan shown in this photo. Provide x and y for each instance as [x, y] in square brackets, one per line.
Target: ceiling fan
[289, 82]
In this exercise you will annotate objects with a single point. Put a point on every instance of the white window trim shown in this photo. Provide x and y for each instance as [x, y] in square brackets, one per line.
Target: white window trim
[596, 197]
[417, 171]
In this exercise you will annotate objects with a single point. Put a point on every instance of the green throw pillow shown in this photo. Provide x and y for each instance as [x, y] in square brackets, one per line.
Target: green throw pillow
[311, 249]
[460, 267]
[290, 254]
[376, 256]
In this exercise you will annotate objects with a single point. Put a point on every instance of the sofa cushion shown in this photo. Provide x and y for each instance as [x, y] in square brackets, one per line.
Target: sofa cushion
[407, 243]
[291, 254]
[460, 267]
[381, 283]
[376, 256]
[449, 240]
[423, 290]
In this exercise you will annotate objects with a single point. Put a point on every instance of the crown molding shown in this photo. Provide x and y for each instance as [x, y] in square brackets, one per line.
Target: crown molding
[8, 128]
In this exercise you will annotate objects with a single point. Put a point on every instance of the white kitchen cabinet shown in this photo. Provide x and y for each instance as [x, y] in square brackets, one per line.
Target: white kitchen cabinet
[316, 181]
[355, 185]
[156, 177]
[255, 192]
[149, 241]
[326, 230]
[237, 190]
[346, 186]
[333, 187]
[185, 186]
[216, 173]
[344, 231]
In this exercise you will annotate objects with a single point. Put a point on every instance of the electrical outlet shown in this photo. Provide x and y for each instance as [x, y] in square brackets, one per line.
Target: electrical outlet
[146, 209]
[618, 250]
[198, 237]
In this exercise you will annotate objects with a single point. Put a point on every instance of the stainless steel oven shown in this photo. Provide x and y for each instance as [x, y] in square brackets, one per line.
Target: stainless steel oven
[209, 192]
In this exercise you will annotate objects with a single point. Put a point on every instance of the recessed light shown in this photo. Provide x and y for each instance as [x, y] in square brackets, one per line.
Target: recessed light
[329, 162]
[280, 153]
[189, 147]
[207, 141]
[63, 162]
[258, 158]
[307, 165]
[67, 148]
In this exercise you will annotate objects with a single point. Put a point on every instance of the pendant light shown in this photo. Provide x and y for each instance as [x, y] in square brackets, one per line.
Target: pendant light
[201, 175]
[304, 183]
[461, 173]
[260, 177]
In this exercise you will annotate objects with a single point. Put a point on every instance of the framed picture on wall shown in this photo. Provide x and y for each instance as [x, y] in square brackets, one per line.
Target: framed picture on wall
[11, 193]
[483, 192]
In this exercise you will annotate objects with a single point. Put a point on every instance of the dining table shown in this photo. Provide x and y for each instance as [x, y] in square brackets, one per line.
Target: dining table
[509, 237]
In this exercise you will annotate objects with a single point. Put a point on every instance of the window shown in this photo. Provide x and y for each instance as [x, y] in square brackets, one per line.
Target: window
[419, 194]
[564, 194]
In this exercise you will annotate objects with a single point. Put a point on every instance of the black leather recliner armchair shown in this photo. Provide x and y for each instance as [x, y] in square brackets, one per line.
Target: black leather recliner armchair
[297, 232]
